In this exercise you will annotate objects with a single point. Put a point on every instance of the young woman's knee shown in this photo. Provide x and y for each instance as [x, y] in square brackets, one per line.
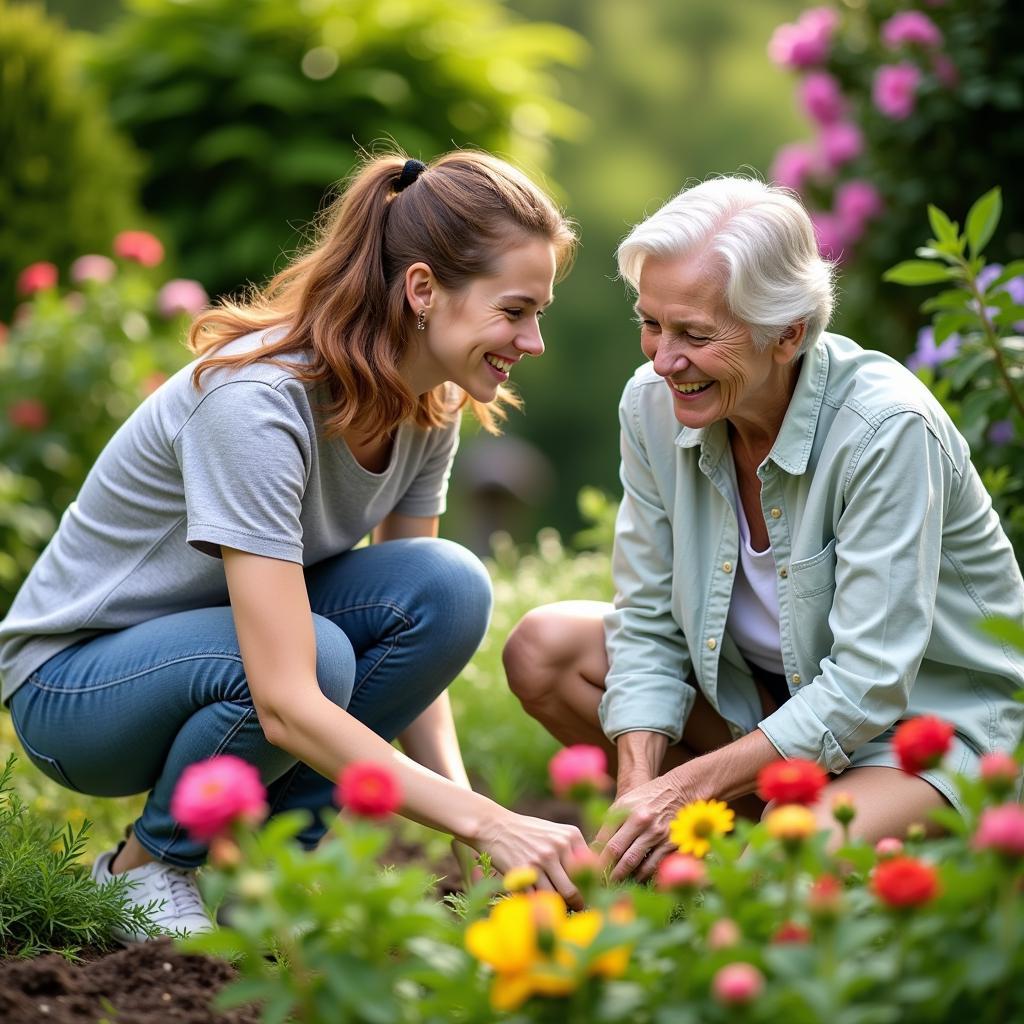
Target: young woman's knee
[335, 661]
[455, 588]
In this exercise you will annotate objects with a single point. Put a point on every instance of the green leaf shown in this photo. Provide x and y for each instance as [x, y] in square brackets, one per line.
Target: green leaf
[917, 272]
[1006, 630]
[945, 230]
[982, 219]
[964, 369]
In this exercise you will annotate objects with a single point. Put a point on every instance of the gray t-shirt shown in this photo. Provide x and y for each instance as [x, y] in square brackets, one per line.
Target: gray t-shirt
[241, 463]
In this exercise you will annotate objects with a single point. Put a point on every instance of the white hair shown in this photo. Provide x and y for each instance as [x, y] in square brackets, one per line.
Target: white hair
[764, 240]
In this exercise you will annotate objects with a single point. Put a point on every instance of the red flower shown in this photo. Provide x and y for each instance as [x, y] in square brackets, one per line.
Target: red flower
[905, 882]
[212, 794]
[791, 782]
[28, 414]
[922, 742]
[37, 277]
[369, 790]
[139, 247]
[792, 932]
[825, 898]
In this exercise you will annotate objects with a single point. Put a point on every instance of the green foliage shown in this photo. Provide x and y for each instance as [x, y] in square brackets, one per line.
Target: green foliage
[69, 182]
[249, 111]
[73, 368]
[47, 902]
[978, 374]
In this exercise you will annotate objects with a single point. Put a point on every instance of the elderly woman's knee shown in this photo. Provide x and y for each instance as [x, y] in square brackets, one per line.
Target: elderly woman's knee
[536, 654]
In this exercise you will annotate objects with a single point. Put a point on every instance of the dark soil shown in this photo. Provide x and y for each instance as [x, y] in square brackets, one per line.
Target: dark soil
[153, 983]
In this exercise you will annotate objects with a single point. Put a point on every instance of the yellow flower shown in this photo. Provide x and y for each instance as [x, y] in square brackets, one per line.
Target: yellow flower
[791, 823]
[519, 879]
[695, 823]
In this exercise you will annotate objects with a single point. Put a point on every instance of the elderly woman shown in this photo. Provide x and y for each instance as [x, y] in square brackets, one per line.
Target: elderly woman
[802, 554]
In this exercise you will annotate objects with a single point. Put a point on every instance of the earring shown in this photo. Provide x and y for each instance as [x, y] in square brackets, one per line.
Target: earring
[421, 319]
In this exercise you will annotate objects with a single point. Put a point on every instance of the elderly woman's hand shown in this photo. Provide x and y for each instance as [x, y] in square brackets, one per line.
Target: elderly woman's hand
[635, 835]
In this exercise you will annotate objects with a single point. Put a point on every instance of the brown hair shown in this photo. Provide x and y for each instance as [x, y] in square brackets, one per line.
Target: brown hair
[343, 299]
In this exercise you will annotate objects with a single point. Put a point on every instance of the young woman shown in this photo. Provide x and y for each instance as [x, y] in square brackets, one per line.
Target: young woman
[205, 595]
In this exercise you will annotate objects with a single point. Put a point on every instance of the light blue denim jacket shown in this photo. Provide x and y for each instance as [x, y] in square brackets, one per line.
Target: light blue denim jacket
[887, 549]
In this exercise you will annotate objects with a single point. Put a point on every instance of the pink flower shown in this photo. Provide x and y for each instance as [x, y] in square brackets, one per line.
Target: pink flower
[857, 202]
[805, 42]
[890, 846]
[830, 234]
[93, 268]
[28, 414]
[583, 866]
[724, 934]
[1000, 772]
[1001, 829]
[212, 794]
[681, 871]
[579, 770]
[895, 90]
[821, 97]
[369, 790]
[841, 142]
[910, 28]
[793, 165]
[37, 277]
[182, 295]
[737, 984]
[139, 247]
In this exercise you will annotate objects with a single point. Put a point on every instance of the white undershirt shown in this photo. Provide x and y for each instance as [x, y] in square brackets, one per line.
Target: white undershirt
[753, 620]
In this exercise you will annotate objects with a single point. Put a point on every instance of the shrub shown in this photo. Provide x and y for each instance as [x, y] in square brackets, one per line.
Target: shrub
[249, 111]
[908, 106]
[74, 366]
[69, 181]
[48, 904]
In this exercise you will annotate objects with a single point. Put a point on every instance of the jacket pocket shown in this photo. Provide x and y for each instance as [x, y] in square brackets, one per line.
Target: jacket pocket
[815, 575]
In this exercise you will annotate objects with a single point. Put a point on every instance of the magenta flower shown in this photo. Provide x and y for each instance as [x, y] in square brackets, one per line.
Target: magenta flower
[806, 42]
[93, 268]
[910, 28]
[895, 90]
[794, 164]
[139, 247]
[737, 984]
[212, 794]
[579, 771]
[821, 97]
[831, 237]
[928, 353]
[182, 295]
[1001, 829]
[37, 277]
[857, 201]
[841, 142]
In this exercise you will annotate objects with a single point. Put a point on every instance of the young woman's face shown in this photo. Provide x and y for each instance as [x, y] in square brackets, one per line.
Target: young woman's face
[475, 336]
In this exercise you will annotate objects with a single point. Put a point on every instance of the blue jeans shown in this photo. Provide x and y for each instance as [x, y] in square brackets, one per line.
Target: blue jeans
[126, 711]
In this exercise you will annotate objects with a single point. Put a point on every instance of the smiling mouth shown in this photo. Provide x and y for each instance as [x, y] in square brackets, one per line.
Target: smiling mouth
[688, 388]
[504, 365]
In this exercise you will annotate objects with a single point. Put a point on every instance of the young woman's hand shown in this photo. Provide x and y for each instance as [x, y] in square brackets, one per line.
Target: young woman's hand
[516, 840]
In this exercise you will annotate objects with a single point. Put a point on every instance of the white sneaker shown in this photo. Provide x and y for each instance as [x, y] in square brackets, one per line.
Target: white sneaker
[180, 904]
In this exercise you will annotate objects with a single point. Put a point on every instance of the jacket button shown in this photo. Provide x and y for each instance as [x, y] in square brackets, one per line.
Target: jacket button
[712, 644]
[775, 512]
[796, 678]
[727, 567]
[784, 573]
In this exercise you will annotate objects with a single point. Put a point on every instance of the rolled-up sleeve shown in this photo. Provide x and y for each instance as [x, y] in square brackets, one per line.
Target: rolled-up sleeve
[649, 662]
[888, 550]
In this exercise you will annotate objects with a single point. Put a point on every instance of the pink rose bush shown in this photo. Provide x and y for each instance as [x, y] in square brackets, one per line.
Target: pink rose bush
[895, 90]
[212, 795]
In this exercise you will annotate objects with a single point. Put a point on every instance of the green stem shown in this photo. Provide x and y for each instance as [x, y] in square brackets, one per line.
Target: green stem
[992, 340]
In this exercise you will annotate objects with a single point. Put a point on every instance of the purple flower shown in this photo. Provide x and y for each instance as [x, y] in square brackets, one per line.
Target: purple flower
[1000, 433]
[895, 90]
[93, 268]
[910, 28]
[821, 97]
[805, 42]
[988, 274]
[181, 295]
[793, 165]
[928, 353]
[841, 143]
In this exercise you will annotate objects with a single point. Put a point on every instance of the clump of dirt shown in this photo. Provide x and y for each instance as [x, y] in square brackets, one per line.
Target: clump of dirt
[149, 983]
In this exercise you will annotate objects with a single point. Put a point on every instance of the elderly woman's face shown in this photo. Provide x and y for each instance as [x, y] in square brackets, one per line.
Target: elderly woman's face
[708, 359]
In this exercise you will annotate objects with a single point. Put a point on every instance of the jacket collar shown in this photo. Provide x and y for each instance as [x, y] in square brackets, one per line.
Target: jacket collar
[792, 448]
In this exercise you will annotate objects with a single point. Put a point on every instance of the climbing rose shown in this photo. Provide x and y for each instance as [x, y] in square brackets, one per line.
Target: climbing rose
[841, 142]
[910, 28]
[139, 247]
[821, 97]
[806, 41]
[830, 234]
[895, 90]
[368, 789]
[182, 295]
[37, 277]
[857, 202]
[579, 770]
[212, 794]
[905, 882]
[793, 165]
[1001, 829]
[100, 269]
[793, 781]
[922, 742]
[737, 984]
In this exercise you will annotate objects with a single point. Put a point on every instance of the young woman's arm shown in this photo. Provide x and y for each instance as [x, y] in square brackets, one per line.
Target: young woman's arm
[278, 645]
